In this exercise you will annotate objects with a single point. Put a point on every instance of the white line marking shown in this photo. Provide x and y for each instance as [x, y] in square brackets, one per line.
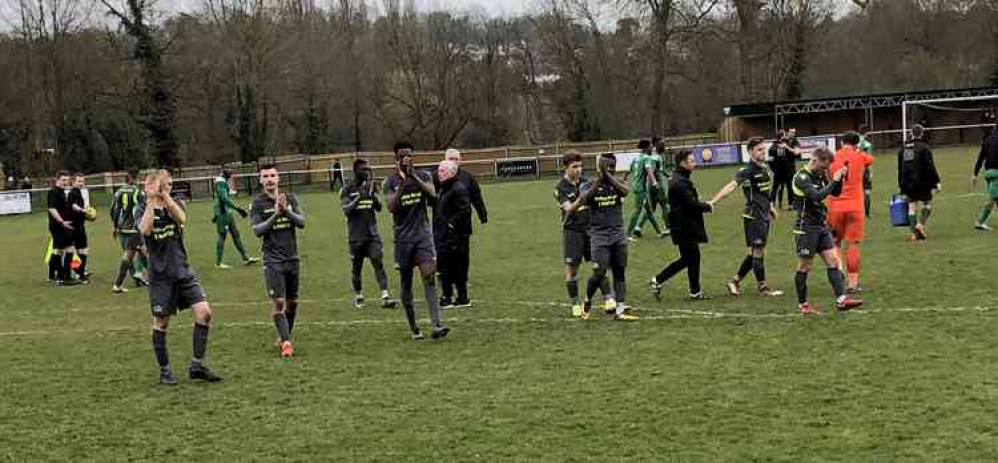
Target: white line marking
[672, 314]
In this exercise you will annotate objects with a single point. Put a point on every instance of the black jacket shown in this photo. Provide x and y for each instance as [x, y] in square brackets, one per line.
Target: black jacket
[686, 210]
[452, 215]
[783, 160]
[475, 193]
[916, 169]
[988, 157]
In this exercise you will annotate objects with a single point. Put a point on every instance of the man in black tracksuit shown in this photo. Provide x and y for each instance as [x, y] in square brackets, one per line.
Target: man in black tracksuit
[474, 196]
[917, 178]
[451, 230]
[783, 155]
[688, 231]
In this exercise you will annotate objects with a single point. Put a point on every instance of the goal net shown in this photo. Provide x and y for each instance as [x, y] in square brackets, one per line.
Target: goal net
[951, 121]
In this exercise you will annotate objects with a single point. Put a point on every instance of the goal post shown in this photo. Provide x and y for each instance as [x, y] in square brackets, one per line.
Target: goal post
[958, 113]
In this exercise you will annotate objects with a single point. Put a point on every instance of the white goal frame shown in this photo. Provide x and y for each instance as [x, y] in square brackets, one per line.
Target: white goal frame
[906, 103]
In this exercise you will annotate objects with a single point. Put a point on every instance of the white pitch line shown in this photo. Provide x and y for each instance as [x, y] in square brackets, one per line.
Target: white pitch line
[674, 314]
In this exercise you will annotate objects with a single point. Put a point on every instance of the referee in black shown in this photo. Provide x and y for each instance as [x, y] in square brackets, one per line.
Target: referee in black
[61, 229]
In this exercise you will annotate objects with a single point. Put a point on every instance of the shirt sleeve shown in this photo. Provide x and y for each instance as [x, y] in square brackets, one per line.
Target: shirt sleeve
[140, 210]
[256, 213]
[803, 186]
[930, 167]
[475, 193]
[559, 194]
[742, 175]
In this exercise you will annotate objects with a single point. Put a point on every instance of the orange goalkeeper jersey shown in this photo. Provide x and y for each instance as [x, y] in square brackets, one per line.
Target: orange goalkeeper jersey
[851, 199]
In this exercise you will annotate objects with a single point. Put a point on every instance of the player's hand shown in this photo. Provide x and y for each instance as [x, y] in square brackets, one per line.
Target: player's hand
[939, 187]
[837, 176]
[152, 188]
[973, 181]
[67, 225]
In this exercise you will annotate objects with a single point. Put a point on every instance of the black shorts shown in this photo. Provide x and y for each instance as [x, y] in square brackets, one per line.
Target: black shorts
[756, 232]
[369, 249]
[813, 242]
[80, 236]
[169, 297]
[576, 247]
[411, 254]
[919, 196]
[130, 241]
[281, 280]
[610, 256]
[61, 238]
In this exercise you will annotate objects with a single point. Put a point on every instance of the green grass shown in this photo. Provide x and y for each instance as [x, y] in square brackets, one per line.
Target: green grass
[725, 379]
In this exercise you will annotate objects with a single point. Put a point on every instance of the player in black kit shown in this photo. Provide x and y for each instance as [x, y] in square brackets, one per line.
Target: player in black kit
[811, 186]
[575, 230]
[756, 181]
[172, 284]
[605, 199]
[275, 217]
[407, 192]
[361, 205]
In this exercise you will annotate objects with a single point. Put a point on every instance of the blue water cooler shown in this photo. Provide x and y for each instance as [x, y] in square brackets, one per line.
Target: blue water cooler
[899, 211]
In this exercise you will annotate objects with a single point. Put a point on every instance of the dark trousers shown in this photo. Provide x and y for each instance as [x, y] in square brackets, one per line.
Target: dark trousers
[689, 259]
[452, 267]
[783, 181]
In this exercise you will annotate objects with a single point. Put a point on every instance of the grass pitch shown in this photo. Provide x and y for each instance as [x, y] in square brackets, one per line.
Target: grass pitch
[909, 377]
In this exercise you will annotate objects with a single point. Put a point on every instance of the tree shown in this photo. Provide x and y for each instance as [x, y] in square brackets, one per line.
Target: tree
[158, 110]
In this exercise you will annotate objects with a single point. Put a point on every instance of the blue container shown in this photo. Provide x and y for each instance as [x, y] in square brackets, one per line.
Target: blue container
[899, 211]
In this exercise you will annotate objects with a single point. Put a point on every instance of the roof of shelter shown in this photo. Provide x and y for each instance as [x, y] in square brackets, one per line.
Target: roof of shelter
[844, 103]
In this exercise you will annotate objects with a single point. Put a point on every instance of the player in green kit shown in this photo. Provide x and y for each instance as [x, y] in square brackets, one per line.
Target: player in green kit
[658, 196]
[988, 160]
[866, 147]
[642, 180]
[126, 200]
[225, 223]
